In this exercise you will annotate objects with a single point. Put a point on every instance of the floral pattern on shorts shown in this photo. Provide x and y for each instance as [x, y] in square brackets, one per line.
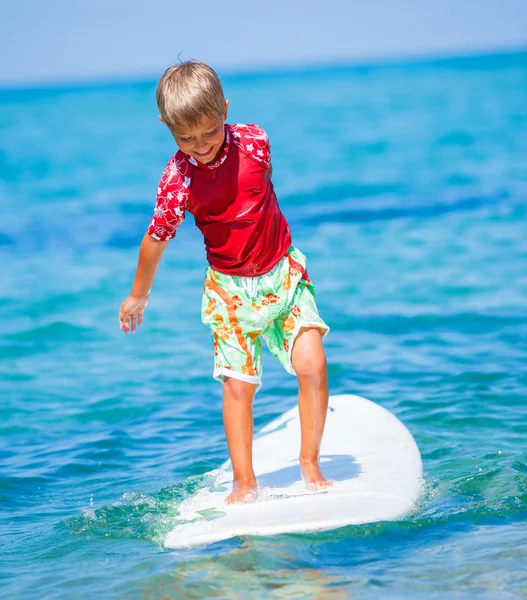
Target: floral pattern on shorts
[240, 311]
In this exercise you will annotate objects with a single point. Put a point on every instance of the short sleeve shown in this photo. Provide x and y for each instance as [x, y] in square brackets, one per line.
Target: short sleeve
[253, 140]
[172, 200]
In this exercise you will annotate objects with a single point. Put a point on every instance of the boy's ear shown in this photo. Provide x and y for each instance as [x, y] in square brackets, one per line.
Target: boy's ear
[226, 110]
[161, 119]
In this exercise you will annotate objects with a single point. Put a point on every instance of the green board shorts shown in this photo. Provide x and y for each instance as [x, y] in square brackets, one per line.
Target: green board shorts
[240, 311]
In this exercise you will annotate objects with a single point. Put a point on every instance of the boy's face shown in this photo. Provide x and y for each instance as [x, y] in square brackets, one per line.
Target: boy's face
[204, 140]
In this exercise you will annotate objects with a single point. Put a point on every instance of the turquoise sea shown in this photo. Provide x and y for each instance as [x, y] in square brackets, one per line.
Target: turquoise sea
[406, 187]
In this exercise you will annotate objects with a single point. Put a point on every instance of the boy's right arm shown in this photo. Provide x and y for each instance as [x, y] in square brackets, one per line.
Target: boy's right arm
[131, 312]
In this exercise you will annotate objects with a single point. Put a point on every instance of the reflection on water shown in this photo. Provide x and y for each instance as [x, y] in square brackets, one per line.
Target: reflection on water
[254, 570]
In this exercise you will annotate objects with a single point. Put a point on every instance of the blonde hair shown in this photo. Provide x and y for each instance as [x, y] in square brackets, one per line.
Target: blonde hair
[188, 91]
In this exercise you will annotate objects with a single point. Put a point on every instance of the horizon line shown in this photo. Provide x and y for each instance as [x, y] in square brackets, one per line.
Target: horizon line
[272, 70]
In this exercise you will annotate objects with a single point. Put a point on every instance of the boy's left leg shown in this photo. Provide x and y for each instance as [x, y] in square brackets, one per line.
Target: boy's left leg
[309, 362]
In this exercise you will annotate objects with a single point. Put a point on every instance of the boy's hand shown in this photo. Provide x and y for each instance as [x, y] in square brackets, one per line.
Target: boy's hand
[131, 313]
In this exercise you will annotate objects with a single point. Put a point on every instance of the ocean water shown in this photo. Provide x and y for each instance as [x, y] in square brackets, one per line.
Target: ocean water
[406, 187]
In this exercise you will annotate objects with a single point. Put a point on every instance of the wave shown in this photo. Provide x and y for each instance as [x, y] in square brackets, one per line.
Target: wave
[139, 515]
[469, 323]
[314, 213]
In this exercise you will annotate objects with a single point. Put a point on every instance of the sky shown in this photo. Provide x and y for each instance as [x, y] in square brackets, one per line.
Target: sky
[57, 41]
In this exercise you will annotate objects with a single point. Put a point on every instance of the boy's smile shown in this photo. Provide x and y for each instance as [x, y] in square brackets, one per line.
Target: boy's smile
[203, 141]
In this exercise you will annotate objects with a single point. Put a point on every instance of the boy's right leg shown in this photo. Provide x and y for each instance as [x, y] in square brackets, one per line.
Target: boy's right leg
[238, 399]
[228, 309]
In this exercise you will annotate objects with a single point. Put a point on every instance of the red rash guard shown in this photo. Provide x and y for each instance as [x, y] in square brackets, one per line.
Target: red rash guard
[232, 200]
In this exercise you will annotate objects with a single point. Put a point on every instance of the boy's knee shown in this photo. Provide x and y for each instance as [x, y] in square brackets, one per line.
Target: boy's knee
[235, 389]
[312, 369]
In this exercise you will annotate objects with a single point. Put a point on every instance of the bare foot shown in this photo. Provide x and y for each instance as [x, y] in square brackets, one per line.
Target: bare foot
[243, 491]
[312, 475]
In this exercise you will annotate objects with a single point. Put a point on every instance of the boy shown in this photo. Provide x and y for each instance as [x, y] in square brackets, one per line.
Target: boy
[256, 285]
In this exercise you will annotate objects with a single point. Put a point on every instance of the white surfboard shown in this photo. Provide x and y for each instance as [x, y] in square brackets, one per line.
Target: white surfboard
[368, 453]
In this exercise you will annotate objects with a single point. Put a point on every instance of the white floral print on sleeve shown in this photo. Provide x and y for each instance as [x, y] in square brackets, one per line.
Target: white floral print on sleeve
[253, 140]
[172, 199]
